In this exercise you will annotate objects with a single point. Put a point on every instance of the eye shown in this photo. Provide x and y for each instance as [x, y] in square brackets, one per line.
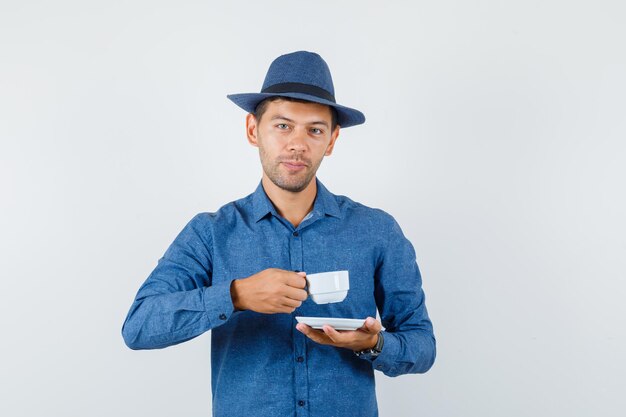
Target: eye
[317, 131]
[282, 126]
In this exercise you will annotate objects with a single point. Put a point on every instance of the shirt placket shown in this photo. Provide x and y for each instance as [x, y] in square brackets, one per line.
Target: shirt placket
[299, 340]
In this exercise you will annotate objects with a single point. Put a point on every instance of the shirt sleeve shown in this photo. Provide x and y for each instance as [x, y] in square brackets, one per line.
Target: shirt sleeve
[409, 341]
[178, 302]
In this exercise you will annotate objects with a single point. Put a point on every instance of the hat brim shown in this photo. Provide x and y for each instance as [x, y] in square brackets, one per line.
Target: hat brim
[346, 116]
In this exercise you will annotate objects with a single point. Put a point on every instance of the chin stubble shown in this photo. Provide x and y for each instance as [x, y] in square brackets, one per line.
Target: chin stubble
[273, 173]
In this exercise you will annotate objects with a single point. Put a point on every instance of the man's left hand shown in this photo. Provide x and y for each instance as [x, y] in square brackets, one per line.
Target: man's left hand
[360, 339]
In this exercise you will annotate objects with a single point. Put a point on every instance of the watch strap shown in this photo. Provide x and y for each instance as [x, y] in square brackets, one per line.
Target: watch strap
[375, 351]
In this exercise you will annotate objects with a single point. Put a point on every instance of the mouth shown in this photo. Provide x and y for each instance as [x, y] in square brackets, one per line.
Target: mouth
[294, 166]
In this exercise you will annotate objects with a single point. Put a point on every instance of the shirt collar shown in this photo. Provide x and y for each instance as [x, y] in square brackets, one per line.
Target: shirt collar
[325, 203]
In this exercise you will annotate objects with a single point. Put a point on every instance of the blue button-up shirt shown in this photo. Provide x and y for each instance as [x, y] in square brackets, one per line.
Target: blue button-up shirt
[261, 364]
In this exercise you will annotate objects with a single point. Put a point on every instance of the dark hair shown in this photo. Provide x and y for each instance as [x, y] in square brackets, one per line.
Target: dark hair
[262, 107]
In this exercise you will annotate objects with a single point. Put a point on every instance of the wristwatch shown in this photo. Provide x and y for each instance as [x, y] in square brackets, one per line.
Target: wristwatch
[372, 352]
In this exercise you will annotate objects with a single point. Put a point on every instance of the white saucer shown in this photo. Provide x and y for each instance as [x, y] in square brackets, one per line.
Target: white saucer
[337, 324]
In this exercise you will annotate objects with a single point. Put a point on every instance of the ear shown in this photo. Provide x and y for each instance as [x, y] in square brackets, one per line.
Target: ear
[251, 129]
[333, 139]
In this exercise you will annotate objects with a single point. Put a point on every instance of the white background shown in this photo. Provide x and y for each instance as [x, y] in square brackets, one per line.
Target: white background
[495, 136]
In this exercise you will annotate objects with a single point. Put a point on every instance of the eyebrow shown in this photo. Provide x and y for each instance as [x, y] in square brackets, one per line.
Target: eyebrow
[317, 122]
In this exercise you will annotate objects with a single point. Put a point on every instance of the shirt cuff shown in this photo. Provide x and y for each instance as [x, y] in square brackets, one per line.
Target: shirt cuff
[218, 303]
[387, 358]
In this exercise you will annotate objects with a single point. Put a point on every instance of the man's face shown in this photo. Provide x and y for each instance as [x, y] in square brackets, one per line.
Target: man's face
[292, 138]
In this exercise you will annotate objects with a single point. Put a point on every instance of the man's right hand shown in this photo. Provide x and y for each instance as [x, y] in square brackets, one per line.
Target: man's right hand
[270, 291]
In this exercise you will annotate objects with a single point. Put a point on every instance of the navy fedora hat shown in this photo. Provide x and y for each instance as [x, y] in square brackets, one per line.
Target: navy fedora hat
[302, 75]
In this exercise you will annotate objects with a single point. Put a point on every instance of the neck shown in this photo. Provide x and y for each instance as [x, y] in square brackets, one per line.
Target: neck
[290, 205]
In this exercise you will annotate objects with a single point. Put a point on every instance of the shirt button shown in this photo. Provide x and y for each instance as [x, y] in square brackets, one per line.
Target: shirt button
[222, 316]
[379, 367]
[301, 403]
[296, 234]
[300, 359]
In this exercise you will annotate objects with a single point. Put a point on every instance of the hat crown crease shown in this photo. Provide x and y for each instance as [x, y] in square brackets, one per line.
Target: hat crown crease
[300, 67]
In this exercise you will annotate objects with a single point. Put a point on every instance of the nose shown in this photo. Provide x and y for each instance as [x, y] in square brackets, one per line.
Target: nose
[297, 140]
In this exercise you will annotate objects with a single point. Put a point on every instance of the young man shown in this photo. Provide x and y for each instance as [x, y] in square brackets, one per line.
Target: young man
[240, 271]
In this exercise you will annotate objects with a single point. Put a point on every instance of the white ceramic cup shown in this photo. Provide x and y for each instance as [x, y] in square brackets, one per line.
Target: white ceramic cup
[328, 287]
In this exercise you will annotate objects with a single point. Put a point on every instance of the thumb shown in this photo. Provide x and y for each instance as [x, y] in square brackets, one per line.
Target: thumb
[372, 325]
[301, 273]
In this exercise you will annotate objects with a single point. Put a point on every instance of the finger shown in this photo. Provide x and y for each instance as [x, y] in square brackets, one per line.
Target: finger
[297, 280]
[333, 335]
[303, 328]
[290, 302]
[371, 326]
[309, 331]
[315, 335]
[295, 293]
